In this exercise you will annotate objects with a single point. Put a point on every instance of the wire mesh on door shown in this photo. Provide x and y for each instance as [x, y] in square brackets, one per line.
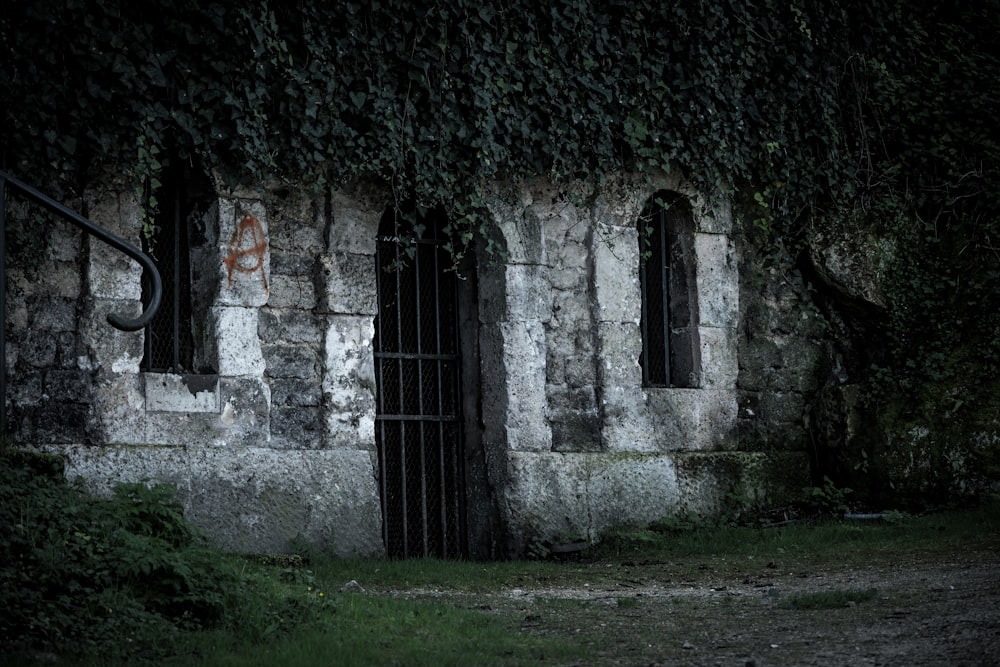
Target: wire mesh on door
[418, 428]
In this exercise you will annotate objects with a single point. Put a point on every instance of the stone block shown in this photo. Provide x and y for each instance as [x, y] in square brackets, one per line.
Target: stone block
[289, 360]
[524, 350]
[349, 381]
[54, 315]
[546, 498]
[68, 386]
[527, 293]
[346, 284]
[297, 428]
[54, 279]
[239, 351]
[166, 392]
[616, 275]
[355, 222]
[51, 422]
[38, 350]
[620, 347]
[521, 229]
[576, 430]
[714, 214]
[719, 366]
[292, 292]
[295, 392]
[289, 326]
[112, 274]
[244, 272]
[254, 500]
[718, 285]
[103, 343]
[569, 265]
[295, 236]
[631, 489]
[665, 420]
[699, 419]
[292, 263]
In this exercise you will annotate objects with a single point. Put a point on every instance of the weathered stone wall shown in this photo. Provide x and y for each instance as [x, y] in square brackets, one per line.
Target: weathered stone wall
[784, 354]
[278, 444]
[586, 445]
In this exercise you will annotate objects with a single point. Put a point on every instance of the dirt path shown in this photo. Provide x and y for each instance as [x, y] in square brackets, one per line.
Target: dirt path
[642, 614]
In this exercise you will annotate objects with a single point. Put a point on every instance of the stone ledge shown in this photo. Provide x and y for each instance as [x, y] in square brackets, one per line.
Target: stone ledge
[166, 392]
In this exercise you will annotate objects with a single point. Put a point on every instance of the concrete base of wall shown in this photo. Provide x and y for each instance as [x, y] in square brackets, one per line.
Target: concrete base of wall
[252, 500]
[555, 496]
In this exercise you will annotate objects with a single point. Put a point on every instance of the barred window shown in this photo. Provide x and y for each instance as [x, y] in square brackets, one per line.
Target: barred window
[670, 355]
[174, 337]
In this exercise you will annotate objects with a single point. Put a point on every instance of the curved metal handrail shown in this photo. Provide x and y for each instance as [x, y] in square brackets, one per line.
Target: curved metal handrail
[117, 321]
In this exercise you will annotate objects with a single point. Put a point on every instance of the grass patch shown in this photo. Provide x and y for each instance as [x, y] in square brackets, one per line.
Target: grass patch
[355, 629]
[817, 542]
[835, 599]
[126, 581]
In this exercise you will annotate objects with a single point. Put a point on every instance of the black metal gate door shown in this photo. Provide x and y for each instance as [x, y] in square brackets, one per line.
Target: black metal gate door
[417, 370]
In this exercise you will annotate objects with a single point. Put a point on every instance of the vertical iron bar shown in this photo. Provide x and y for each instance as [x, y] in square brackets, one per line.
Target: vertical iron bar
[3, 303]
[175, 341]
[380, 428]
[402, 401]
[643, 280]
[665, 280]
[440, 397]
[420, 397]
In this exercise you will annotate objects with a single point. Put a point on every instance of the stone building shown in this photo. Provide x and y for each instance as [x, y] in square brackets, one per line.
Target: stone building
[317, 376]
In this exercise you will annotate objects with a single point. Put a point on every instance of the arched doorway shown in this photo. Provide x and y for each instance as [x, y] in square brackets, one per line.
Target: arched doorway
[420, 429]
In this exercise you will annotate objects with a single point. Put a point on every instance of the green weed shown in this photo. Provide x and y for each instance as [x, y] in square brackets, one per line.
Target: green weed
[835, 599]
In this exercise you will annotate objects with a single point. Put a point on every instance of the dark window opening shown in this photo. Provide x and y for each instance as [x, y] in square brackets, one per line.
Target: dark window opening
[670, 354]
[173, 338]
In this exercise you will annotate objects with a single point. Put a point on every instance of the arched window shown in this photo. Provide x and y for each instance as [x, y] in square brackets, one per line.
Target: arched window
[670, 352]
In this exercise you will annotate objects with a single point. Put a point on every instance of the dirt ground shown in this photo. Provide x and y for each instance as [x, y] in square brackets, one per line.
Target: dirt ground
[761, 614]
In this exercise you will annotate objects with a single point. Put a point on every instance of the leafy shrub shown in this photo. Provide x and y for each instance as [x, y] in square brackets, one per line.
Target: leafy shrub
[98, 572]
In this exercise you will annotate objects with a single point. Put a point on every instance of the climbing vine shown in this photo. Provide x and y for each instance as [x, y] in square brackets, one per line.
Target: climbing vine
[439, 99]
[797, 108]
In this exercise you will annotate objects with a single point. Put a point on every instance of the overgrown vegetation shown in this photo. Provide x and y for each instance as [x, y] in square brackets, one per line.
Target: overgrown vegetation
[102, 575]
[805, 112]
[125, 581]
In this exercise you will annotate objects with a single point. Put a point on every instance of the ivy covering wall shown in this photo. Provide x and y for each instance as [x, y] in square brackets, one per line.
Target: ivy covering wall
[802, 110]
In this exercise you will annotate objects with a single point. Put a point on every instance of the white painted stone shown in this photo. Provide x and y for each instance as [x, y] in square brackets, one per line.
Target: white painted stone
[239, 351]
[349, 381]
[166, 392]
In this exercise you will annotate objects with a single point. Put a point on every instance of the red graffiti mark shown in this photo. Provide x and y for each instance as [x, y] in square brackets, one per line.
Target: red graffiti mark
[247, 254]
